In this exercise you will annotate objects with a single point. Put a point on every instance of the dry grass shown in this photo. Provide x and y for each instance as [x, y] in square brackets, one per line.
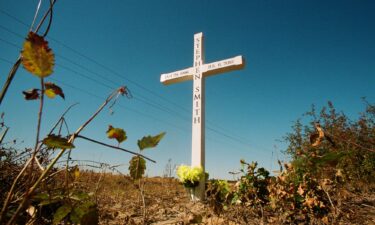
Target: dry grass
[167, 202]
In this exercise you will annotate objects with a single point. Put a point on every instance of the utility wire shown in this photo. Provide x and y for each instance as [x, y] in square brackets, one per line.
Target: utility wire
[114, 72]
[165, 109]
[142, 113]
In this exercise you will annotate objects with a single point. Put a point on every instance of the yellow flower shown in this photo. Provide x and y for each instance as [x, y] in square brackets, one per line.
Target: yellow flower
[189, 176]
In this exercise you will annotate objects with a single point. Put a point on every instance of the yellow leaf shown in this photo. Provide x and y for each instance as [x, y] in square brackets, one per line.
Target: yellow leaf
[49, 93]
[76, 173]
[52, 90]
[37, 57]
[116, 133]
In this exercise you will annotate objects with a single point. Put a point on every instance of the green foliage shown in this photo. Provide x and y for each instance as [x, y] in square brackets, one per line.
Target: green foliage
[218, 194]
[347, 145]
[40, 191]
[137, 167]
[61, 213]
[56, 141]
[150, 141]
[252, 187]
[75, 207]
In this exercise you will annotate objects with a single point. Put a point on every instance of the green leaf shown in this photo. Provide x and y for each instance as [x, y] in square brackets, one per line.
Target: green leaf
[79, 196]
[56, 141]
[137, 167]
[49, 201]
[41, 196]
[149, 141]
[85, 213]
[61, 213]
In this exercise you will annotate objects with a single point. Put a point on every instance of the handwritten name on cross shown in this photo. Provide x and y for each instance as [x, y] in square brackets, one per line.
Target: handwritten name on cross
[197, 73]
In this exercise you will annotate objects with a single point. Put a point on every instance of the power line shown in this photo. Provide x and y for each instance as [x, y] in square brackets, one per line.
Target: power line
[103, 99]
[140, 98]
[93, 61]
[165, 109]
[101, 65]
[131, 109]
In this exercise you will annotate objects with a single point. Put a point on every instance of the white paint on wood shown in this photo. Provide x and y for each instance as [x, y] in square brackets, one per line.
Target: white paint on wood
[197, 73]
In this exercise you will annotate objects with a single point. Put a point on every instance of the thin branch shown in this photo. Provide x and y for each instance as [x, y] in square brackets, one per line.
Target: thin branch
[50, 17]
[11, 74]
[94, 115]
[58, 156]
[83, 160]
[102, 164]
[351, 142]
[38, 127]
[4, 134]
[38, 163]
[31, 160]
[39, 117]
[115, 147]
[62, 117]
[10, 193]
[44, 18]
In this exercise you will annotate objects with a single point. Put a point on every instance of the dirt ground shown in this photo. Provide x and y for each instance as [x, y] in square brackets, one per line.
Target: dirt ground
[167, 202]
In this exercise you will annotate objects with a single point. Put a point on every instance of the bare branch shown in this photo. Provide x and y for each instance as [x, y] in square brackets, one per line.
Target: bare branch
[115, 147]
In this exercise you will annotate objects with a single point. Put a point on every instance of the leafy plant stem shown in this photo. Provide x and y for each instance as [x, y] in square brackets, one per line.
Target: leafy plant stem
[10, 193]
[40, 113]
[16, 65]
[36, 184]
[52, 163]
[141, 190]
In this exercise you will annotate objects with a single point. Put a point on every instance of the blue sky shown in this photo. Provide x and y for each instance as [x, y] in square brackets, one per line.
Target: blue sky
[298, 53]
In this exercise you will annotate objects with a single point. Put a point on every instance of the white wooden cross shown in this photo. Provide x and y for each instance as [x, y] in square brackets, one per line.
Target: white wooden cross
[197, 73]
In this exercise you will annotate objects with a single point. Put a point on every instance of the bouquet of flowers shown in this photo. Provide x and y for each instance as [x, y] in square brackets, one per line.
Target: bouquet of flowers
[189, 176]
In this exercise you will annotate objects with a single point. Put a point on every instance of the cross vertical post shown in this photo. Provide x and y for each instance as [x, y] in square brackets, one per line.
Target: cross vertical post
[198, 129]
[197, 73]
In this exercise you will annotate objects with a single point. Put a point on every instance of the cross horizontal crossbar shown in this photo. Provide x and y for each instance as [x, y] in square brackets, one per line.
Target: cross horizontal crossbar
[208, 69]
